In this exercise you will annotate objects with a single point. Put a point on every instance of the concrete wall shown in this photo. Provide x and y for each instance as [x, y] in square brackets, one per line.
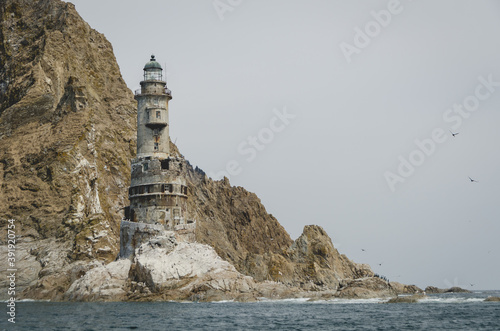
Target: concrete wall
[132, 235]
[153, 120]
[158, 191]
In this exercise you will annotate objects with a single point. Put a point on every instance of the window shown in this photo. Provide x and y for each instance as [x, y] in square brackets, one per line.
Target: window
[155, 146]
[156, 132]
[147, 114]
[158, 114]
[145, 166]
[165, 164]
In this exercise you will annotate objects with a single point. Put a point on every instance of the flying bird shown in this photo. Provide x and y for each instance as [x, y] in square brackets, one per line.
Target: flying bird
[363, 249]
[473, 180]
[472, 285]
[454, 134]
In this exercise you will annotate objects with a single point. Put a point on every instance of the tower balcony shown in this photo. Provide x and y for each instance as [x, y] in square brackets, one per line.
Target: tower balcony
[164, 91]
[156, 123]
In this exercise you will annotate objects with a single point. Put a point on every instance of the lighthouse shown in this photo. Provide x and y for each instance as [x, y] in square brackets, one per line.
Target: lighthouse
[152, 113]
[158, 192]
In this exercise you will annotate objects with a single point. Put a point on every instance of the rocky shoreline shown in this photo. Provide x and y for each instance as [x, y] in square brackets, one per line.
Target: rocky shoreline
[165, 268]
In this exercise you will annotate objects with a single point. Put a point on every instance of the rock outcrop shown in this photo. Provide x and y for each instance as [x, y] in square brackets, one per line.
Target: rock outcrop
[364, 288]
[102, 283]
[455, 289]
[67, 135]
[407, 299]
[405, 289]
[165, 269]
[492, 299]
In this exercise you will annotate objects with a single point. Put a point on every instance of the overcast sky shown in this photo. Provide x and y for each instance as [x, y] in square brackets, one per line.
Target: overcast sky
[338, 113]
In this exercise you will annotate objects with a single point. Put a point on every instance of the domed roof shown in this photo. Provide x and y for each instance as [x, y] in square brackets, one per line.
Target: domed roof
[152, 64]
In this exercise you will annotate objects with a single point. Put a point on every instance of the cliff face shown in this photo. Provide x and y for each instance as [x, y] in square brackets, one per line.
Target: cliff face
[67, 135]
[66, 128]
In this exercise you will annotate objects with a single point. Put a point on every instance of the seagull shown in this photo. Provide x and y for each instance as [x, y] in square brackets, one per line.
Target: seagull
[472, 285]
[473, 180]
[454, 134]
[363, 249]
[380, 264]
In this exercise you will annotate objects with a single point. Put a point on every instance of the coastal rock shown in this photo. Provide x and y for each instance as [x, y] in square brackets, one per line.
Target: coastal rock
[492, 299]
[433, 290]
[407, 299]
[365, 288]
[42, 267]
[405, 289]
[314, 261]
[102, 283]
[161, 268]
[455, 289]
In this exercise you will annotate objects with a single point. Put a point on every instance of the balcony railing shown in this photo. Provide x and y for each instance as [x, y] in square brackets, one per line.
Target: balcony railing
[166, 91]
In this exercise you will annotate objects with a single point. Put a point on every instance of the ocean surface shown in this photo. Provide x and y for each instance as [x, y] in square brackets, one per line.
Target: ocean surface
[454, 311]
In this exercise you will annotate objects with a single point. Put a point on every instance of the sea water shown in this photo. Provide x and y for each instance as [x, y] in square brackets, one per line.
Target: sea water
[453, 311]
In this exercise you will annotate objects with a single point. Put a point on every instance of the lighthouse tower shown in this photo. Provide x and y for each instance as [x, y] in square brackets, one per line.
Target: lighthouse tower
[158, 190]
[152, 113]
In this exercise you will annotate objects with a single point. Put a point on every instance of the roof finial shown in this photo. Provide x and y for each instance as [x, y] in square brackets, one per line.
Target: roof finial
[152, 57]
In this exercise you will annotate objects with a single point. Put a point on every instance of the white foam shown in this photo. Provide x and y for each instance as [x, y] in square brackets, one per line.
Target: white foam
[296, 300]
[222, 301]
[356, 301]
[450, 300]
[323, 301]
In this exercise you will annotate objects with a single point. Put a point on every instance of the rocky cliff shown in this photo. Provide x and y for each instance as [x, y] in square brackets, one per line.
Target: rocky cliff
[67, 134]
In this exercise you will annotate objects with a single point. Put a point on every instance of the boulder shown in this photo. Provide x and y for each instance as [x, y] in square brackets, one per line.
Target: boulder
[456, 289]
[433, 290]
[365, 288]
[102, 283]
[405, 289]
[407, 299]
[492, 299]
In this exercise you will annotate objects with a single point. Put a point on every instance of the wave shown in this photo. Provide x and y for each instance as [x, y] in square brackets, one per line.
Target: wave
[450, 300]
[297, 300]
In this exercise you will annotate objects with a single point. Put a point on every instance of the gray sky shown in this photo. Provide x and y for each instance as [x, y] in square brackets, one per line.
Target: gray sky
[335, 95]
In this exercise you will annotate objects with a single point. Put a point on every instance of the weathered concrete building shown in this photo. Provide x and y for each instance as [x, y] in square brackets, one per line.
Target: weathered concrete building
[158, 191]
